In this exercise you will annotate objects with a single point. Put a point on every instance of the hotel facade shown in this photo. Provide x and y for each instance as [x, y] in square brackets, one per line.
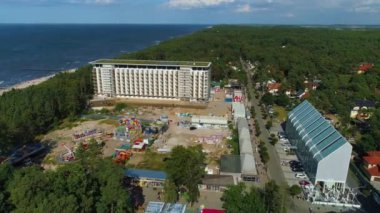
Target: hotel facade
[172, 80]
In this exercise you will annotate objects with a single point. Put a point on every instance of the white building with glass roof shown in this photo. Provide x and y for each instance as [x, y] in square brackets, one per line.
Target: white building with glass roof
[170, 80]
[323, 151]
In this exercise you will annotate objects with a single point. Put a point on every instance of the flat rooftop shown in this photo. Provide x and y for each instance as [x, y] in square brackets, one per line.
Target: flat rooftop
[151, 62]
[230, 164]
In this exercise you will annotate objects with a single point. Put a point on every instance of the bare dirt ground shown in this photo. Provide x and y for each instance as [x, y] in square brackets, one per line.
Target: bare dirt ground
[61, 137]
[174, 136]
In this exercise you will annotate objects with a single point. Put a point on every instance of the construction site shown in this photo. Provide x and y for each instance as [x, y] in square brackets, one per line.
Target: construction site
[129, 133]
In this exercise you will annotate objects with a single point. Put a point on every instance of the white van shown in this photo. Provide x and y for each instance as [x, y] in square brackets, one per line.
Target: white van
[300, 175]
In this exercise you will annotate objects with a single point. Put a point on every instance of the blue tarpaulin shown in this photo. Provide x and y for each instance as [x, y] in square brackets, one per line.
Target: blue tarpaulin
[148, 174]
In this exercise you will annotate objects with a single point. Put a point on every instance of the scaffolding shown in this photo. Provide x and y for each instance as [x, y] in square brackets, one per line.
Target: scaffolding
[184, 83]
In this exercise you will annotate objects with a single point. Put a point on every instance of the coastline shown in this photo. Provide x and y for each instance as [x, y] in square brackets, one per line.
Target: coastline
[32, 82]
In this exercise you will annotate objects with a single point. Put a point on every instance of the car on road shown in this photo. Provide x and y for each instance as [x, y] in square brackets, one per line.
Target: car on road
[300, 175]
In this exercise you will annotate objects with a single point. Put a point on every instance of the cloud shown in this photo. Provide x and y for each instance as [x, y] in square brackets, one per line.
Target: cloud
[56, 2]
[245, 8]
[188, 4]
[289, 15]
[103, 2]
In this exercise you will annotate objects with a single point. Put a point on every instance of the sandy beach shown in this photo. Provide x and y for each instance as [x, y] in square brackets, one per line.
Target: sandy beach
[29, 83]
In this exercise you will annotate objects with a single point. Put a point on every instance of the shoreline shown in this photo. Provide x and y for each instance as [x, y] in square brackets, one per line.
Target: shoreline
[28, 83]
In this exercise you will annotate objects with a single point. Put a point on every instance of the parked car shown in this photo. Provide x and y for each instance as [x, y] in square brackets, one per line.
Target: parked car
[297, 170]
[299, 166]
[285, 140]
[28, 162]
[281, 134]
[193, 128]
[304, 183]
[300, 175]
[294, 162]
[296, 166]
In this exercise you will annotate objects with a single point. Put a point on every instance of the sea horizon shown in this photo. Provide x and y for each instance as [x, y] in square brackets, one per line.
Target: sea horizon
[32, 51]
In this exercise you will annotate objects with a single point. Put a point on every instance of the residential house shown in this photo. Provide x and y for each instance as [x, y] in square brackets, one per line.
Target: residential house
[365, 67]
[311, 85]
[372, 165]
[273, 87]
[362, 109]
[291, 93]
[302, 94]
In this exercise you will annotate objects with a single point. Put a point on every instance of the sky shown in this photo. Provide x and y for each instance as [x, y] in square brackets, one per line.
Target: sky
[350, 12]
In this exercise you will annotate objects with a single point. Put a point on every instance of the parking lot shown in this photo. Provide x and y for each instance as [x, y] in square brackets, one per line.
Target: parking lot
[287, 156]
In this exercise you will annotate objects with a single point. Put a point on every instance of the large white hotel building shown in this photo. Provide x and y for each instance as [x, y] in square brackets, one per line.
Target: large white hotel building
[175, 80]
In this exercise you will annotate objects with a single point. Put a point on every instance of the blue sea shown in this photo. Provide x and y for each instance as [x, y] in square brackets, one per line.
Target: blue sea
[32, 51]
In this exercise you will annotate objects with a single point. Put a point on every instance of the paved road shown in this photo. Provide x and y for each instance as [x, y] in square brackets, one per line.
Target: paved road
[274, 167]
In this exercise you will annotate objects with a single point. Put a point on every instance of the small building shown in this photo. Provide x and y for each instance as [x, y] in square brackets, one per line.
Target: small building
[216, 182]
[273, 87]
[147, 177]
[238, 110]
[233, 84]
[248, 163]
[161, 207]
[372, 165]
[291, 93]
[164, 118]
[238, 96]
[231, 165]
[362, 108]
[209, 121]
[311, 85]
[365, 67]
[302, 94]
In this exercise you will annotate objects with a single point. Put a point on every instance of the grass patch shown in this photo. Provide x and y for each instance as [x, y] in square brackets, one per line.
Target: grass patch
[281, 113]
[109, 122]
[234, 142]
[68, 124]
[152, 160]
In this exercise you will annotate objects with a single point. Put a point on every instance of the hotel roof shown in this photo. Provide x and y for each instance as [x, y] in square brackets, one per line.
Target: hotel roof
[151, 62]
[319, 136]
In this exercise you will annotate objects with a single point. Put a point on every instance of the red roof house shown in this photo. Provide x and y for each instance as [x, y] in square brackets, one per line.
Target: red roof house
[311, 85]
[273, 88]
[374, 173]
[364, 68]
[372, 165]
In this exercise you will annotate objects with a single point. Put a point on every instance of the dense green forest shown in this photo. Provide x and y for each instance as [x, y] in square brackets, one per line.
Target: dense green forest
[92, 184]
[291, 56]
[32, 111]
[240, 198]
